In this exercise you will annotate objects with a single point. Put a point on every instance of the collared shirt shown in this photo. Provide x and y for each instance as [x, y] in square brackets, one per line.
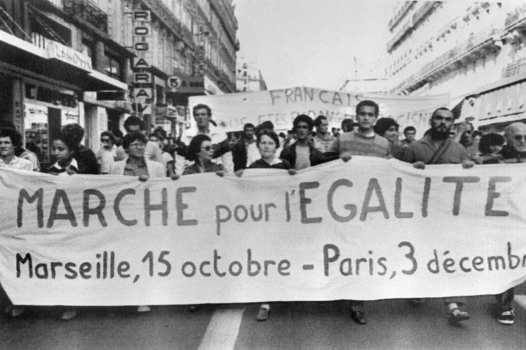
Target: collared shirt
[17, 163]
[135, 168]
[323, 144]
[424, 149]
[62, 171]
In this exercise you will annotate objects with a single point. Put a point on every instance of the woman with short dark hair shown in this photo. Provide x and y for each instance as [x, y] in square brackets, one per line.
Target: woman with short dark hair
[489, 146]
[200, 151]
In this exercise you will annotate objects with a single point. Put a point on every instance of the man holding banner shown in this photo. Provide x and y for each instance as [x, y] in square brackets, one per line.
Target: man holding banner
[362, 142]
[302, 154]
[438, 148]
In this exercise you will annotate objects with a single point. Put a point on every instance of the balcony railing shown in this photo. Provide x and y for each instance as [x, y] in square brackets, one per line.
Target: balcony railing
[90, 13]
[457, 53]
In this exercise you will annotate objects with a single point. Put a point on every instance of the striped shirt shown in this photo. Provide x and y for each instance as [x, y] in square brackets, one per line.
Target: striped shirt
[359, 145]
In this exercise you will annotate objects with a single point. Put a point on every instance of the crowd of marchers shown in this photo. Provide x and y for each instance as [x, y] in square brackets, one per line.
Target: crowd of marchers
[307, 144]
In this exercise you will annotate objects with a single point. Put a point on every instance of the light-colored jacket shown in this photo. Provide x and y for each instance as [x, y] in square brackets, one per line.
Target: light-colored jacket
[155, 169]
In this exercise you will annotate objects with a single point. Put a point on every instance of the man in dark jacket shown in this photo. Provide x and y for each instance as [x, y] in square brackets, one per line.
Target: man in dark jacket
[302, 154]
[245, 151]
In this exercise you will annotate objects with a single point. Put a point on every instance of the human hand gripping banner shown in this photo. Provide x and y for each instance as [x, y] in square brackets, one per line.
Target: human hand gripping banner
[366, 229]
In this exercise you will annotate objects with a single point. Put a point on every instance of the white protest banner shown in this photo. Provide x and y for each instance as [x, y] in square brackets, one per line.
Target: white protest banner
[232, 111]
[366, 229]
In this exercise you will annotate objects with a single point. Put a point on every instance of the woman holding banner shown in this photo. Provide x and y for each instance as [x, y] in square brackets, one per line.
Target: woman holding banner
[268, 143]
[200, 151]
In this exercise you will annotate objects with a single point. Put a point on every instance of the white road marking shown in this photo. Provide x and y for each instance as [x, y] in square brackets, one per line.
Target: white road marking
[222, 330]
[521, 300]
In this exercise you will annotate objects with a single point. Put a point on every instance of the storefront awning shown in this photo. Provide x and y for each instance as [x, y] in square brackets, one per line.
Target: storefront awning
[26, 59]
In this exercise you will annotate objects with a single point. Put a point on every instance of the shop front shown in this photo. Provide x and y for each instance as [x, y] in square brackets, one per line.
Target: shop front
[42, 89]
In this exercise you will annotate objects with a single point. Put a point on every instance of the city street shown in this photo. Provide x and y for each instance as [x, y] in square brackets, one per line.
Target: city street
[393, 324]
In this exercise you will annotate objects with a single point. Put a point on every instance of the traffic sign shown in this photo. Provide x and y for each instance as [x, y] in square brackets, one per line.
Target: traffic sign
[173, 82]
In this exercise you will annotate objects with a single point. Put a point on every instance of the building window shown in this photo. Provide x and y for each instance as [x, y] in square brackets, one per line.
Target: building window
[88, 48]
[112, 67]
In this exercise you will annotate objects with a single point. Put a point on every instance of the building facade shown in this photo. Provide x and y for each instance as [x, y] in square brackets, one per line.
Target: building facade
[73, 61]
[473, 51]
[249, 77]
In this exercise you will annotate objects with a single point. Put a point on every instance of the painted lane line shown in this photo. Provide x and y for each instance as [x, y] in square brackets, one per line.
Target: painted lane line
[521, 300]
[222, 331]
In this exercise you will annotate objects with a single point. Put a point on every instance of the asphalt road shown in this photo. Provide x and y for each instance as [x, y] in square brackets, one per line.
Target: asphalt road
[392, 324]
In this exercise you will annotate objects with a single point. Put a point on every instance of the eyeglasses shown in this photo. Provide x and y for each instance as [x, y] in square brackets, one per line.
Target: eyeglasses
[519, 137]
[206, 148]
[104, 140]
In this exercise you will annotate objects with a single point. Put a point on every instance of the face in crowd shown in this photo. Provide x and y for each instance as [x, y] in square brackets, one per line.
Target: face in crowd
[391, 134]
[410, 135]
[249, 133]
[207, 151]
[106, 142]
[516, 136]
[62, 152]
[267, 147]
[155, 138]
[366, 118]
[7, 149]
[201, 117]
[441, 124]
[302, 131]
[323, 128]
[136, 149]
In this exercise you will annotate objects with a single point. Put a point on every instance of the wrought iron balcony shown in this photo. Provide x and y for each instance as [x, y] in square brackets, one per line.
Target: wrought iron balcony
[88, 12]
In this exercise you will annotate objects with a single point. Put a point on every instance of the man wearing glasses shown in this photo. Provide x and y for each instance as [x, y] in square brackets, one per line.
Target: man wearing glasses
[438, 148]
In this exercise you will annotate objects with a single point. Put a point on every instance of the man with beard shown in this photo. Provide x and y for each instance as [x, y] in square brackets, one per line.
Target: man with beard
[437, 148]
